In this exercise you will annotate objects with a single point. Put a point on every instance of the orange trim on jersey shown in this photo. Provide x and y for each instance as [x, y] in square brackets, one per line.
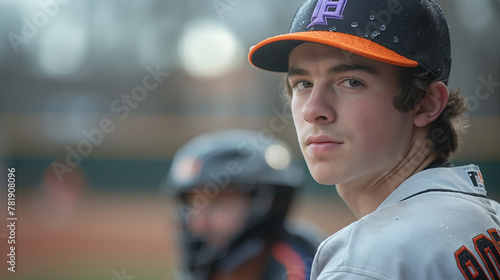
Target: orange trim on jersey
[495, 236]
[488, 256]
[348, 42]
[469, 265]
[285, 255]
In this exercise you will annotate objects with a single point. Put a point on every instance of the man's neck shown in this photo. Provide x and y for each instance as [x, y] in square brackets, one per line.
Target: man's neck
[364, 197]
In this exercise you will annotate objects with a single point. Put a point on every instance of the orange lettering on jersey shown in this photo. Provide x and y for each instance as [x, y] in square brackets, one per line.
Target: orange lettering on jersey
[495, 236]
[489, 251]
[468, 264]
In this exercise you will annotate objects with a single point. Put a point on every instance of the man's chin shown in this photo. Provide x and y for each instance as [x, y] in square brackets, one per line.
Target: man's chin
[325, 179]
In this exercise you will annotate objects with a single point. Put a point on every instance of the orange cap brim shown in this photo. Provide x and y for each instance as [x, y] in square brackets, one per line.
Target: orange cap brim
[272, 54]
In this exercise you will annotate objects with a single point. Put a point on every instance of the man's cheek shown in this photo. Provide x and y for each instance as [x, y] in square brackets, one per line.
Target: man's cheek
[371, 134]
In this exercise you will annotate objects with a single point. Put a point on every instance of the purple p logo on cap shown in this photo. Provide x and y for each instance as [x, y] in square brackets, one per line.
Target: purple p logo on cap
[322, 12]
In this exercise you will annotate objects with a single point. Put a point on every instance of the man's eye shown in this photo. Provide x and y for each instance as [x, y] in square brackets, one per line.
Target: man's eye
[352, 83]
[300, 85]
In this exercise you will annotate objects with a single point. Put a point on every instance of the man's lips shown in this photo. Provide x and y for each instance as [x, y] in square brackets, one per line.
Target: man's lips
[322, 143]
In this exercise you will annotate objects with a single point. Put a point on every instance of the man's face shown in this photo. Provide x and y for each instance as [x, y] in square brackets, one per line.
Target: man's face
[342, 106]
[221, 219]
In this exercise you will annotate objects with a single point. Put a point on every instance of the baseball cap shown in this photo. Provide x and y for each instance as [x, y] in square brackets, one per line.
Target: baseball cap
[408, 33]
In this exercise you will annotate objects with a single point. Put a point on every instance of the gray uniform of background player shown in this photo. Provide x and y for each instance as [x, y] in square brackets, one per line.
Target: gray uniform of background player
[440, 217]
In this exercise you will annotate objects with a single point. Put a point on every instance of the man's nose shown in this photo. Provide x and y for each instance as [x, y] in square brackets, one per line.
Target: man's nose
[319, 107]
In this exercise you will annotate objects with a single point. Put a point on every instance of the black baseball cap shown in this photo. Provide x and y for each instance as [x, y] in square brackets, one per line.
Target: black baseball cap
[408, 33]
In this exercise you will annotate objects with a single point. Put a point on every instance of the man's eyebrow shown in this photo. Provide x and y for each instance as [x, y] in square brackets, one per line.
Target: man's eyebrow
[294, 71]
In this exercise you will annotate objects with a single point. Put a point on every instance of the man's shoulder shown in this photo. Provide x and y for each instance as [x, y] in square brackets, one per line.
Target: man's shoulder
[435, 220]
[385, 243]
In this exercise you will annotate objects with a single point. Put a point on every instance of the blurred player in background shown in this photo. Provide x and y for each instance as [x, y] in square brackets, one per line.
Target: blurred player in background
[235, 188]
[369, 97]
[57, 197]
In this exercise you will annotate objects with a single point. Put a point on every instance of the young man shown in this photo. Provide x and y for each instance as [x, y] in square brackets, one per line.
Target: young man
[373, 115]
[235, 188]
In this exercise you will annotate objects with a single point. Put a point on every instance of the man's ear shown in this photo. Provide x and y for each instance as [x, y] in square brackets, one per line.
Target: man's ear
[432, 106]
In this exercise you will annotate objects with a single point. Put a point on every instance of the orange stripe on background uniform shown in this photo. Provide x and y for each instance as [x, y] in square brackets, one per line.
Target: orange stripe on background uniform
[290, 259]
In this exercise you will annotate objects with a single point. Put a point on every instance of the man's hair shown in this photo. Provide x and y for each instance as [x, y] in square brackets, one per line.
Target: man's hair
[445, 132]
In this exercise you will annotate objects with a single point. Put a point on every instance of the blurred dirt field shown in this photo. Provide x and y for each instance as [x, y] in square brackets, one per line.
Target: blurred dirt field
[122, 236]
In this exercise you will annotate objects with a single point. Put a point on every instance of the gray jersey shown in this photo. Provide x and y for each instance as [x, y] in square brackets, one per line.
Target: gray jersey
[438, 224]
